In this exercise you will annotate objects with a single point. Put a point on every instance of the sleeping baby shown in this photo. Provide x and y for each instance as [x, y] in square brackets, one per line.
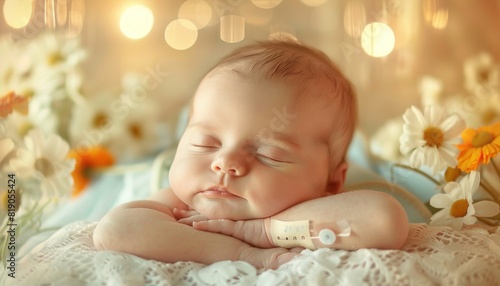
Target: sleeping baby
[259, 171]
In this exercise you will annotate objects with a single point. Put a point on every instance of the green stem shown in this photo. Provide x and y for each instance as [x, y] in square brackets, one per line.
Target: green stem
[415, 170]
[25, 221]
[2, 253]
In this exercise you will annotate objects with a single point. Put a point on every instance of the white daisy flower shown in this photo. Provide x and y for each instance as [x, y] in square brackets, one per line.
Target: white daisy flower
[138, 129]
[137, 132]
[4, 197]
[457, 205]
[3, 202]
[44, 159]
[7, 56]
[481, 70]
[430, 89]
[53, 54]
[485, 111]
[385, 141]
[6, 146]
[429, 138]
[95, 121]
[16, 68]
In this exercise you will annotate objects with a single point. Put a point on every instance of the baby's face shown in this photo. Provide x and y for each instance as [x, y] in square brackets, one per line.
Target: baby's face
[248, 152]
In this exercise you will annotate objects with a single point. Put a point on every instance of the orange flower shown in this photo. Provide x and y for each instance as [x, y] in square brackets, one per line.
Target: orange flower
[86, 160]
[12, 101]
[478, 146]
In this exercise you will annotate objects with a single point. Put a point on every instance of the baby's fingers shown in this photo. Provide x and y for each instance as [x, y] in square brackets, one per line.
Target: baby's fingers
[187, 217]
[223, 226]
[180, 213]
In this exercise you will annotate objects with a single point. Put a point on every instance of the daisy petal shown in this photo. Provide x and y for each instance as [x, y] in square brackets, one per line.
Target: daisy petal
[471, 182]
[486, 208]
[451, 188]
[433, 114]
[453, 125]
[6, 145]
[469, 220]
[441, 201]
[456, 223]
[440, 218]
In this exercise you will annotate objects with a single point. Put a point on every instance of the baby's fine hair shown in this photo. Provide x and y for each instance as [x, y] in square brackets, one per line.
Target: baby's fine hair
[310, 74]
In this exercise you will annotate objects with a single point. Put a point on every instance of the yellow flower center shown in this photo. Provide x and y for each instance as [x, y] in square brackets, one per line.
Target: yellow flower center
[4, 202]
[29, 93]
[433, 136]
[8, 75]
[482, 138]
[54, 58]
[451, 174]
[24, 128]
[459, 208]
[44, 166]
[100, 120]
[483, 75]
[135, 130]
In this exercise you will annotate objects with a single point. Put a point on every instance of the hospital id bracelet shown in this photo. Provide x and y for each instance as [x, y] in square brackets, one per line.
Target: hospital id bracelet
[289, 234]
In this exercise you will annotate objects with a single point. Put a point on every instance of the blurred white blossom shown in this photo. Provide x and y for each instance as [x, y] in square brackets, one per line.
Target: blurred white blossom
[457, 203]
[481, 70]
[429, 138]
[44, 159]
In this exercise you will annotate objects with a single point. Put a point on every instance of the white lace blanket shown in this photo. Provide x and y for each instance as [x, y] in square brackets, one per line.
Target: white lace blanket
[430, 256]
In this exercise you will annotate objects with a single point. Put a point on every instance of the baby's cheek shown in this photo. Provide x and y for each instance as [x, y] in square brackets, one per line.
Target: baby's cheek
[177, 177]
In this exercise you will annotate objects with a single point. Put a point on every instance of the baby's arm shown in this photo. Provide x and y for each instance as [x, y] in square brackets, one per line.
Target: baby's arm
[148, 229]
[376, 219]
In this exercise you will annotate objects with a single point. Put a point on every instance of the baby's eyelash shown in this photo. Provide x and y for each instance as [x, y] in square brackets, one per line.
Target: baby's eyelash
[204, 146]
[270, 160]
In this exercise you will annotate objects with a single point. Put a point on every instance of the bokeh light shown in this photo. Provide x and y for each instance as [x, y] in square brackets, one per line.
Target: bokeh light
[136, 22]
[266, 4]
[198, 12]
[61, 12]
[434, 14]
[314, 3]
[283, 37]
[377, 39]
[354, 18]
[181, 34]
[17, 13]
[254, 15]
[232, 28]
[440, 19]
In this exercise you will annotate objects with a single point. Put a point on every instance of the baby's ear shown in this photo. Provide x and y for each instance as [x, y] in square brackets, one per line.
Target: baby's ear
[336, 178]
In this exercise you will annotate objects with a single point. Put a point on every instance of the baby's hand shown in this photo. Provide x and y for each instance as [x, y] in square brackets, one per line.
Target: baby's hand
[250, 231]
[187, 217]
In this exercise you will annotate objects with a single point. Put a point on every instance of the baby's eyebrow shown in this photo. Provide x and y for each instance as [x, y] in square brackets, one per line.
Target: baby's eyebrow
[279, 138]
[202, 125]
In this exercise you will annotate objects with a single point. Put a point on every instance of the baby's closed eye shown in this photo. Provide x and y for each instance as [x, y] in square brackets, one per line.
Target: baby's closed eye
[272, 156]
[201, 142]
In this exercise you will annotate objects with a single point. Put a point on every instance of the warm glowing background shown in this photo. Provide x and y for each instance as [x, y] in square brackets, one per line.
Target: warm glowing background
[431, 37]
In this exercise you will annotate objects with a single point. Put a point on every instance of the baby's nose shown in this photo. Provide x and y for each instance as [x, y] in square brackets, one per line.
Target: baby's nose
[230, 163]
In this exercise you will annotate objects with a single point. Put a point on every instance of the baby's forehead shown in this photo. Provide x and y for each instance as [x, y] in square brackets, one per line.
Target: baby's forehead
[298, 95]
